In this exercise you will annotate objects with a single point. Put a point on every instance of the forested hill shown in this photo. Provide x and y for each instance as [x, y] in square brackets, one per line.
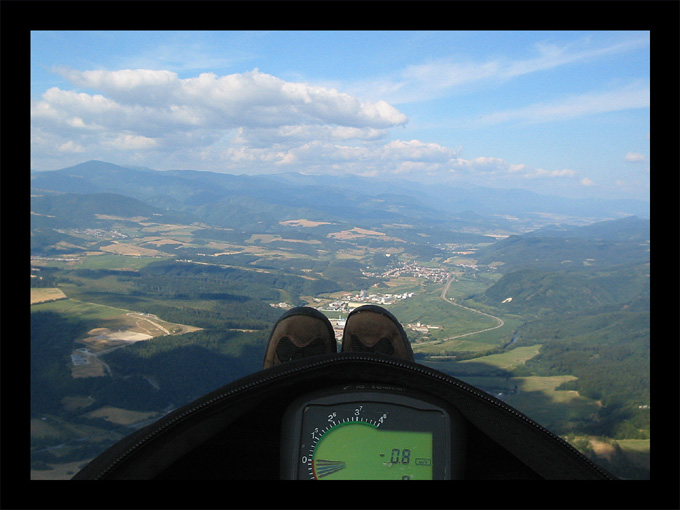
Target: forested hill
[597, 246]
[585, 295]
[535, 292]
[630, 228]
[89, 209]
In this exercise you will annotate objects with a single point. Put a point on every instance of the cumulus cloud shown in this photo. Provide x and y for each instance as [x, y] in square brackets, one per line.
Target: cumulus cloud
[131, 86]
[252, 99]
[71, 147]
[250, 122]
[415, 150]
[251, 116]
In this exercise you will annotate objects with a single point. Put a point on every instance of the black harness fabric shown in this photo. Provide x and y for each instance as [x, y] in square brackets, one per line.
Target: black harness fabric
[234, 431]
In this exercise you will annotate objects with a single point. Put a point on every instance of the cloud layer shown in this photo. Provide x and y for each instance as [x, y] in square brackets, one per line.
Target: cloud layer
[251, 121]
[247, 116]
[254, 122]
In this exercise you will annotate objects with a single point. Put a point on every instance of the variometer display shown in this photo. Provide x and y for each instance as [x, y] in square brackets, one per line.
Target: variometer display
[356, 450]
[359, 433]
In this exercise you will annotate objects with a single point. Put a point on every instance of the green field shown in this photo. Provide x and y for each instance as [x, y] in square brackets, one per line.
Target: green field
[427, 307]
[77, 310]
[115, 262]
[508, 360]
[539, 398]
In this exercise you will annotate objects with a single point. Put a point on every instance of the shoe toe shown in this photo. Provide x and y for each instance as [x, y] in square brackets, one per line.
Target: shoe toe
[374, 329]
[300, 333]
[384, 345]
[287, 350]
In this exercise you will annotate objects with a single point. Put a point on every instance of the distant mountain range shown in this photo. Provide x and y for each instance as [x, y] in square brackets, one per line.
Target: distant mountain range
[227, 198]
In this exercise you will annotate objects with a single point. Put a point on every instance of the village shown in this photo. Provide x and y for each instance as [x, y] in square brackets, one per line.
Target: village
[350, 301]
[434, 274]
[339, 307]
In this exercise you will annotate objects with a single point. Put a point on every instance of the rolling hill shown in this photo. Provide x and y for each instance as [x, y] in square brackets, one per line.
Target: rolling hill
[285, 196]
[595, 246]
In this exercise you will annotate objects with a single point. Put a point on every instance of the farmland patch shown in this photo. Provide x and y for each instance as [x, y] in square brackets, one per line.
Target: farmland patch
[45, 295]
[129, 249]
[303, 223]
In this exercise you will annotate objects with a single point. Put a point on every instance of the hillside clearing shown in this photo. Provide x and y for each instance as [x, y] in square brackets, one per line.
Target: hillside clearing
[46, 295]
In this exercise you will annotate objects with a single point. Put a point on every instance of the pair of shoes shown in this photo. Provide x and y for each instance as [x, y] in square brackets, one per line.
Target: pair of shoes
[304, 331]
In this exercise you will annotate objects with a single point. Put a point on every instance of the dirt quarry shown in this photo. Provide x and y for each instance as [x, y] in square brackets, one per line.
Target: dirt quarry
[116, 332]
[127, 336]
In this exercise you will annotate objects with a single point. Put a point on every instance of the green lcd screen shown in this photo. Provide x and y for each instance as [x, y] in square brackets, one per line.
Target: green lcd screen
[362, 433]
[361, 451]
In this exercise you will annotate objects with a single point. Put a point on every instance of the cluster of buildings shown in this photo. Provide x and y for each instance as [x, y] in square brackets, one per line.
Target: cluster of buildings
[434, 274]
[349, 302]
[99, 233]
[421, 328]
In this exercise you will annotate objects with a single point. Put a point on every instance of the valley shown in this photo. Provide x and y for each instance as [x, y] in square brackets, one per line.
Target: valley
[156, 301]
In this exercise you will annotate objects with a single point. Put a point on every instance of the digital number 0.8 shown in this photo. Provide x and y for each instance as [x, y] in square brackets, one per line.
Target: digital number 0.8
[405, 456]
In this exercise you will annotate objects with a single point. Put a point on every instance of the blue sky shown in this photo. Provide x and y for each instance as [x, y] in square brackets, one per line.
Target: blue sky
[563, 113]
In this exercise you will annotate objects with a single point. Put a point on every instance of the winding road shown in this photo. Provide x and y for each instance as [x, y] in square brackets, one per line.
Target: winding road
[499, 321]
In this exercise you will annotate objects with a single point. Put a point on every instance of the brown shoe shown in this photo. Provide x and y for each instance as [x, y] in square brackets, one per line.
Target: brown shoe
[371, 328]
[299, 333]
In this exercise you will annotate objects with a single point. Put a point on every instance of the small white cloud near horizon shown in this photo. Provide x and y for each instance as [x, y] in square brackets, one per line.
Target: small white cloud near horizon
[635, 157]
[71, 147]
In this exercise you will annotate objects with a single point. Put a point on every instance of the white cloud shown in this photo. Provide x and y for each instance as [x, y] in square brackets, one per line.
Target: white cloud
[247, 99]
[415, 150]
[336, 157]
[635, 157]
[251, 122]
[76, 122]
[489, 166]
[443, 76]
[551, 55]
[540, 172]
[131, 142]
[292, 134]
[127, 85]
[71, 147]
[587, 182]
[499, 172]
[636, 95]
[234, 117]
